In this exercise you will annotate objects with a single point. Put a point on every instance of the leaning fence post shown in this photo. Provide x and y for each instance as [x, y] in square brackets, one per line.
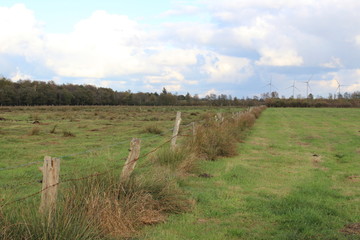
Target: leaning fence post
[193, 130]
[176, 130]
[131, 160]
[50, 170]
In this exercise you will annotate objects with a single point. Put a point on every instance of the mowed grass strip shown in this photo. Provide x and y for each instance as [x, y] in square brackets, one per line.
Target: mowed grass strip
[297, 177]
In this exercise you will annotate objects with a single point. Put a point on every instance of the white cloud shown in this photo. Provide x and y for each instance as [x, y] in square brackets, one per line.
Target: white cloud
[230, 43]
[181, 10]
[357, 39]
[20, 76]
[20, 32]
[279, 57]
[101, 46]
[220, 68]
[209, 92]
[174, 57]
[349, 80]
[165, 77]
[173, 87]
[333, 63]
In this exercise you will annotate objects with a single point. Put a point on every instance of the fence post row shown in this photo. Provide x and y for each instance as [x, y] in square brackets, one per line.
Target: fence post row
[50, 170]
[176, 130]
[131, 160]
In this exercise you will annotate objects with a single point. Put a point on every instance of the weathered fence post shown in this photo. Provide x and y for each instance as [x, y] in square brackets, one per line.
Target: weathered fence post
[193, 130]
[131, 160]
[219, 117]
[176, 130]
[50, 170]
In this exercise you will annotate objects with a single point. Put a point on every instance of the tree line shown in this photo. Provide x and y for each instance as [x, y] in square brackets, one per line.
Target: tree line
[32, 93]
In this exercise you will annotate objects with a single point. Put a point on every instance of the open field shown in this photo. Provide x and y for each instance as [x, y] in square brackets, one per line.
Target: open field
[297, 177]
[88, 139]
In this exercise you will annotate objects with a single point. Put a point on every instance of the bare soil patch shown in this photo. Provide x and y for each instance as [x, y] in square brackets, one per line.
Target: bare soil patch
[354, 178]
[353, 228]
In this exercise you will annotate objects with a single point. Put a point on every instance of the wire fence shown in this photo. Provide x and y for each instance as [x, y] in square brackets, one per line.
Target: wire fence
[84, 177]
[64, 157]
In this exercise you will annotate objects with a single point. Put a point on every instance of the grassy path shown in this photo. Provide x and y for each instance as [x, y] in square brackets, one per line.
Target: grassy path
[297, 177]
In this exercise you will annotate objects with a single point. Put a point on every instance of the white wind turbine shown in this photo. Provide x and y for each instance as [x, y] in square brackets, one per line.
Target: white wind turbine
[338, 89]
[308, 86]
[293, 87]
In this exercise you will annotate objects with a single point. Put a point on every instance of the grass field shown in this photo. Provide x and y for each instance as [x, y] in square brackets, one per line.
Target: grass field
[297, 177]
[88, 139]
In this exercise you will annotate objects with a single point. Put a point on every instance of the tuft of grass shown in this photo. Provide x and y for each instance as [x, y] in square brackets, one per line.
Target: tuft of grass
[153, 130]
[68, 134]
[34, 117]
[53, 130]
[34, 131]
[101, 208]
[213, 140]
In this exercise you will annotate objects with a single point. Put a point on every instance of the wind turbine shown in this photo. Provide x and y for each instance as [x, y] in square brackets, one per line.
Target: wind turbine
[270, 85]
[293, 87]
[338, 89]
[308, 86]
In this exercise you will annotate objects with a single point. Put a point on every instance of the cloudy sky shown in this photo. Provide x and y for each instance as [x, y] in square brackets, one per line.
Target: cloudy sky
[201, 46]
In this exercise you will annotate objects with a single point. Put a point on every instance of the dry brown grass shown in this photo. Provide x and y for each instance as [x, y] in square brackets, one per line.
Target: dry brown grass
[121, 210]
[34, 131]
[215, 139]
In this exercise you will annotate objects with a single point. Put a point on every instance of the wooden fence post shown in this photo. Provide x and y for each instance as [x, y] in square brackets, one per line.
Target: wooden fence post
[131, 160]
[50, 170]
[219, 117]
[176, 130]
[193, 129]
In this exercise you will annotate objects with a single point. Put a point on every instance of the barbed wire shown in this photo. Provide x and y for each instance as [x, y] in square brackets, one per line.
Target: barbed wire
[86, 177]
[74, 154]
[20, 165]
[18, 185]
[91, 150]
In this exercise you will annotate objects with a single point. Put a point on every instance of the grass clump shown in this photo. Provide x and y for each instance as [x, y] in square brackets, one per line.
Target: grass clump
[181, 160]
[101, 208]
[34, 131]
[218, 138]
[213, 140]
[53, 130]
[68, 134]
[153, 130]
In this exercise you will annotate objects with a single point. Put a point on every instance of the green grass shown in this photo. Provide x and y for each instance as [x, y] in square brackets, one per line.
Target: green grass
[297, 175]
[292, 180]
[89, 140]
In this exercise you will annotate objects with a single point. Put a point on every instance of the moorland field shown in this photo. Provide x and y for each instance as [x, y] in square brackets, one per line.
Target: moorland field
[295, 174]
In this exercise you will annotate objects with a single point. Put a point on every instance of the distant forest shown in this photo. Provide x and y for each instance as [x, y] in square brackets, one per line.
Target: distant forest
[34, 93]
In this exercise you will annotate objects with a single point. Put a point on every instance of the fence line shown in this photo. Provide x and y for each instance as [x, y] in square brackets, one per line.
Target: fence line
[75, 154]
[174, 136]
[83, 178]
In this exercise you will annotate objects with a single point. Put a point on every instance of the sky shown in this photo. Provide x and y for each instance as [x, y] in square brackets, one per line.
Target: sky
[233, 47]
